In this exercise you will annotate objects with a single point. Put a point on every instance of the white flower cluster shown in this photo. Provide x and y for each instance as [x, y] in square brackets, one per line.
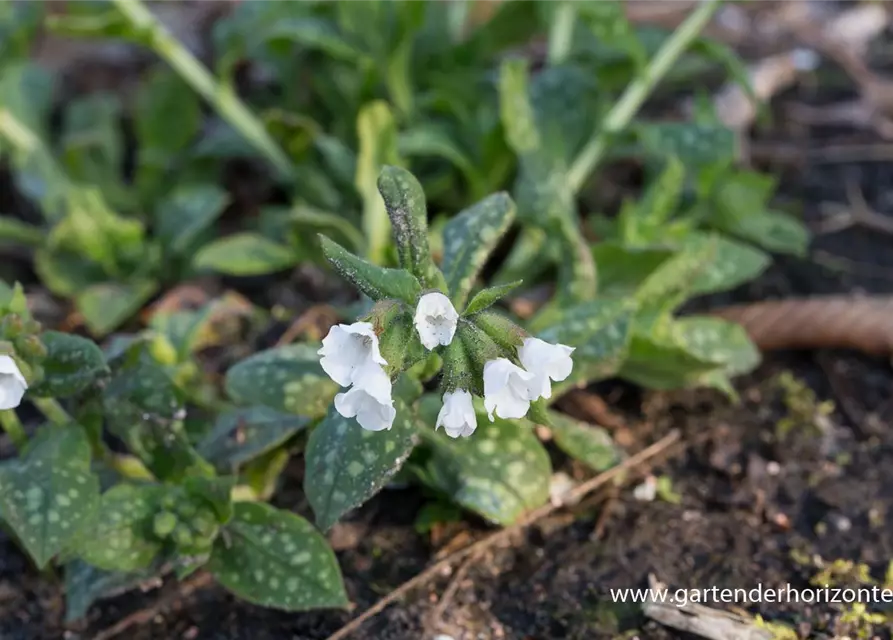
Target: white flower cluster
[351, 357]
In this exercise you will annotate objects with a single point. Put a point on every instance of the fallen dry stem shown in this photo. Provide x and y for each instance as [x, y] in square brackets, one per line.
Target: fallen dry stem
[483, 544]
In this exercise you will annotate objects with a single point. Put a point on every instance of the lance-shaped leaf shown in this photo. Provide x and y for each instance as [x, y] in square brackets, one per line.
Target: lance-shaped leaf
[718, 340]
[85, 584]
[276, 559]
[600, 331]
[487, 297]
[49, 496]
[121, 538]
[376, 282]
[347, 465]
[499, 472]
[72, 364]
[404, 200]
[516, 111]
[286, 378]
[377, 133]
[696, 145]
[468, 240]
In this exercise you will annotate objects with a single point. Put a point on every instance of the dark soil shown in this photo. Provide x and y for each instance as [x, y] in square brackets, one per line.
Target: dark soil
[757, 506]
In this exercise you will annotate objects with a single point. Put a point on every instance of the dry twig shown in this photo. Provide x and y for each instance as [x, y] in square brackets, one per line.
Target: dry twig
[503, 534]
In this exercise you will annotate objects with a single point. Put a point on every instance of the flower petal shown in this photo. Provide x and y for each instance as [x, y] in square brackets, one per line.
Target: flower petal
[435, 320]
[12, 383]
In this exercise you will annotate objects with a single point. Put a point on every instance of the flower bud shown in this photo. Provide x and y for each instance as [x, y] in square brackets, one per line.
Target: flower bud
[503, 331]
[13, 326]
[164, 523]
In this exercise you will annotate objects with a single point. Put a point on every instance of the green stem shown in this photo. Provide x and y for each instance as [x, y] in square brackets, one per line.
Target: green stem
[52, 410]
[561, 34]
[13, 428]
[636, 93]
[222, 97]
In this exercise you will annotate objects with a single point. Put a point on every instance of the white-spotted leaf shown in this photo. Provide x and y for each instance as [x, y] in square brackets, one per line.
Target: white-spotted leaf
[588, 443]
[121, 538]
[376, 282]
[346, 464]
[276, 559]
[286, 378]
[72, 364]
[49, 496]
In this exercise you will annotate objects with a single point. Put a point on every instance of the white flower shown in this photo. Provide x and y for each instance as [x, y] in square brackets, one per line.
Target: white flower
[545, 361]
[349, 351]
[435, 320]
[370, 411]
[12, 383]
[506, 389]
[457, 414]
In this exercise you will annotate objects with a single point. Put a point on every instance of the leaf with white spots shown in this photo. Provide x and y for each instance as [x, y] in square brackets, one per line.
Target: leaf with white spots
[240, 435]
[468, 240]
[346, 464]
[600, 333]
[718, 340]
[49, 496]
[697, 145]
[500, 471]
[276, 559]
[588, 443]
[376, 282]
[72, 364]
[286, 378]
[121, 538]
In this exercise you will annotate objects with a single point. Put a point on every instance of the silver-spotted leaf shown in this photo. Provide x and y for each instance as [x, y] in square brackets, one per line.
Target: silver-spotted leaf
[346, 464]
[696, 145]
[718, 340]
[600, 333]
[468, 240]
[85, 584]
[105, 306]
[286, 378]
[585, 442]
[72, 364]
[276, 559]
[240, 435]
[500, 472]
[49, 496]
[376, 282]
[733, 263]
[121, 538]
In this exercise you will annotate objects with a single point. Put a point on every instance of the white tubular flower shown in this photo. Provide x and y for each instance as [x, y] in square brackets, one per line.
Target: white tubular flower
[457, 414]
[12, 383]
[435, 320]
[349, 349]
[371, 413]
[545, 361]
[506, 389]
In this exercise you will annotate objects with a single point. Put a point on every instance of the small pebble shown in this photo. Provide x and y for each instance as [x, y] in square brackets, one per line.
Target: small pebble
[647, 491]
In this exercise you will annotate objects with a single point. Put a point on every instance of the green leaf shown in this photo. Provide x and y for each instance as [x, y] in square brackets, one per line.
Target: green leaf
[585, 442]
[215, 492]
[186, 213]
[671, 282]
[426, 140]
[377, 133]
[772, 230]
[517, 115]
[696, 145]
[622, 269]
[107, 305]
[245, 254]
[286, 378]
[17, 231]
[346, 464]
[600, 332]
[733, 264]
[487, 297]
[314, 33]
[656, 362]
[240, 435]
[500, 472]
[276, 559]
[167, 117]
[85, 584]
[404, 200]
[645, 222]
[376, 282]
[718, 340]
[121, 538]
[72, 364]
[49, 496]
[608, 23]
[468, 240]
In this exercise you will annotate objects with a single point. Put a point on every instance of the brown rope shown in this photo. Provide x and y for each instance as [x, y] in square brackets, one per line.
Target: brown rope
[828, 322]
